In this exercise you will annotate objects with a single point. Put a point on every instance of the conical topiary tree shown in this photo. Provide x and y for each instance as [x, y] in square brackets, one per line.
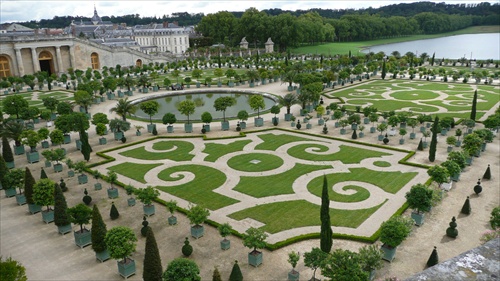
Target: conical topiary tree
[478, 188]
[420, 146]
[3, 170]
[487, 174]
[236, 273]
[7, 154]
[29, 182]
[354, 135]
[433, 259]
[43, 175]
[187, 249]
[152, 261]
[466, 209]
[452, 230]
[113, 213]
[61, 216]
[326, 225]
[98, 231]
[216, 276]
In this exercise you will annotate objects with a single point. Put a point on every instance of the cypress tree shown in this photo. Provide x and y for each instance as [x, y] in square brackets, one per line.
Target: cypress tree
[432, 59]
[384, 70]
[152, 261]
[43, 175]
[326, 225]
[61, 216]
[3, 170]
[452, 230]
[466, 207]
[98, 231]
[487, 174]
[433, 259]
[432, 147]
[113, 213]
[236, 273]
[216, 276]
[29, 182]
[474, 105]
[7, 154]
[86, 148]
[420, 146]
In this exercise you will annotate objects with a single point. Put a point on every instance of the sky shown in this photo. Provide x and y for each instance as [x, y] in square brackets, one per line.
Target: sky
[25, 10]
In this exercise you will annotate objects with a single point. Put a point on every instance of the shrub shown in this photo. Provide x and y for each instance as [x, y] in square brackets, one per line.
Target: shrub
[419, 198]
[12, 270]
[197, 214]
[236, 274]
[113, 213]
[254, 238]
[452, 230]
[216, 275]
[495, 218]
[86, 198]
[182, 269]
[120, 242]
[487, 173]
[187, 249]
[394, 231]
[466, 209]
[433, 259]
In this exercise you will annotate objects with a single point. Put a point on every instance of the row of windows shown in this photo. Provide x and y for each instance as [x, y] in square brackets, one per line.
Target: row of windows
[160, 41]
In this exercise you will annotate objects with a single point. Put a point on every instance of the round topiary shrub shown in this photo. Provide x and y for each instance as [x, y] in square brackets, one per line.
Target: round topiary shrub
[452, 230]
[187, 249]
[86, 199]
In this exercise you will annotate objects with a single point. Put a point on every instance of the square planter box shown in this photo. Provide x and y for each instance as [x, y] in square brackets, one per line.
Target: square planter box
[67, 139]
[10, 192]
[10, 165]
[170, 129]
[243, 125]
[112, 193]
[48, 216]
[126, 269]
[82, 179]
[33, 157]
[293, 275]
[389, 253]
[224, 125]
[102, 256]
[150, 127]
[45, 144]
[418, 218]
[188, 128]
[103, 141]
[148, 210]
[206, 127]
[225, 244]
[19, 150]
[58, 168]
[172, 220]
[259, 122]
[131, 202]
[78, 144]
[84, 238]
[64, 229]
[34, 208]
[138, 133]
[197, 231]
[118, 135]
[255, 258]
[98, 186]
[20, 199]
[71, 173]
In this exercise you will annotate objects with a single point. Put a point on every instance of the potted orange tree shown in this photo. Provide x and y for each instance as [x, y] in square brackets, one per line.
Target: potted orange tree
[224, 231]
[197, 215]
[81, 214]
[255, 239]
[419, 198]
[146, 196]
[43, 195]
[392, 233]
[121, 242]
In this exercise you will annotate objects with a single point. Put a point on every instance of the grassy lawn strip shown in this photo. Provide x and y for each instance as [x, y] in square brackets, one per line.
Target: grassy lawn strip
[217, 150]
[199, 190]
[381, 164]
[346, 154]
[134, 171]
[275, 184]
[360, 195]
[181, 153]
[273, 142]
[390, 182]
[267, 162]
[301, 213]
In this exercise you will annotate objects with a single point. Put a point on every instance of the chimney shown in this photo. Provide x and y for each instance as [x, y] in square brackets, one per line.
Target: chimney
[165, 24]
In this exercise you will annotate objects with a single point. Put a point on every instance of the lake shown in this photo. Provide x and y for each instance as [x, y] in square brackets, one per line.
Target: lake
[482, 46]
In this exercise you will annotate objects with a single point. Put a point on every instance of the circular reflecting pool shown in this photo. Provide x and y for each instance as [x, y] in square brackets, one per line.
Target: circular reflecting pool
[204, 102]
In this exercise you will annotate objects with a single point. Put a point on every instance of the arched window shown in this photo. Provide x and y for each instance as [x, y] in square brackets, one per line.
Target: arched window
[94, 59]
[138, 63]
[4, 67]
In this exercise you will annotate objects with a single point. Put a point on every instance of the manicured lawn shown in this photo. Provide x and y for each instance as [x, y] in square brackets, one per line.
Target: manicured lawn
[134, 171]
[274, 141]
[180, 151]
[248, 162]
[217, 150]
[415, 95]
[382, 164]
[390, 182]
[275, 184]
[300, 213]
[346, 154]
[360, 195]
[200, 189]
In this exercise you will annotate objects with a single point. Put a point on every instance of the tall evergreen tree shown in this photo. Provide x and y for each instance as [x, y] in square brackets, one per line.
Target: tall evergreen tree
[432, 59]
[3, 170]
[236, 273]
[86, 148]
[384, 70]
[61, 216]
[474, 105]
[433, 146]
[113, 213]
[7, 154]
[152, 261]
[433, 259]
[43, 175]
[29, 182]
[326, 225]
[98, 231]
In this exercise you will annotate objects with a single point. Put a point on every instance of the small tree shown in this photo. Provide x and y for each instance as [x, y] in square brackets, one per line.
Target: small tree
[242, 115]
[222, 103]
[225, 230]
[150, 108]
[171, 206]
[495, 218]
[344, 265]
[153, 269]
[314, 259]
[197, 215]
[474, 105]
[98, 231]
[206, 117]
[257, 103]
[80, 214]
[187, 107]
[12, 270]
[169, 119]
[182, 269]
[120, 242]
[439, 174]
[112, 178]
[14, 179]
[371, 257]
[394, 231]
[147, 195]
[61, 215]
[432, 147]
[293, 259]
[43, 193]
[87, 199]
[113, 212]
[433, 259]
[254, 239]
[419, 198]
[236, 274]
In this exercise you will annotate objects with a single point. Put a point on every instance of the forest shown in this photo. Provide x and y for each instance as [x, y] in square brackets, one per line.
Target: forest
[295, 28]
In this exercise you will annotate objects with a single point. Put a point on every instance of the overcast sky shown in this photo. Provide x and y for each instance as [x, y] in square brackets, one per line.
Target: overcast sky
[24, 10]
